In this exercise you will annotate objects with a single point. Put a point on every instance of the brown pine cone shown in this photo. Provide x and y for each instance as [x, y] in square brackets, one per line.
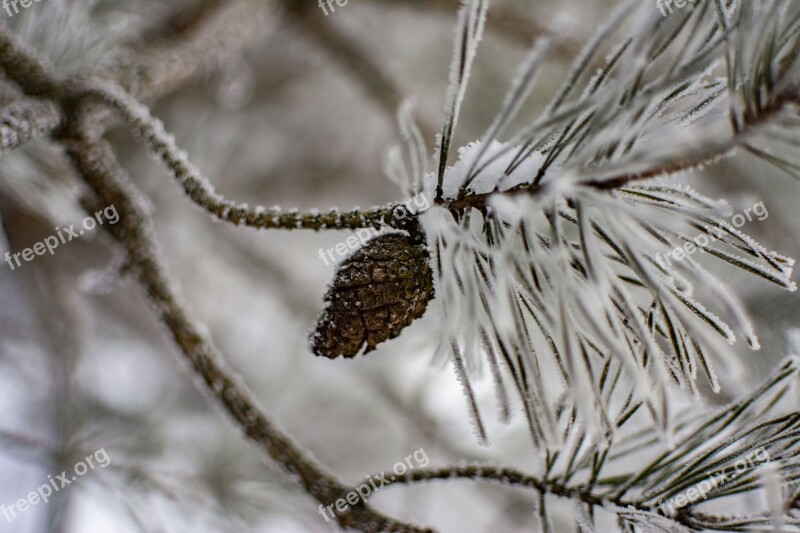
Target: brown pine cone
[378, 291]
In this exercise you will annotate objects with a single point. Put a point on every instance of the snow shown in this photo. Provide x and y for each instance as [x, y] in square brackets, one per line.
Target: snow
[493, 177]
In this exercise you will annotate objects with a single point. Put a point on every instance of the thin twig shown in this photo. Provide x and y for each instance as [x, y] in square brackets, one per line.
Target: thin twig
[202, 193]
[512, 477]
[669, 165]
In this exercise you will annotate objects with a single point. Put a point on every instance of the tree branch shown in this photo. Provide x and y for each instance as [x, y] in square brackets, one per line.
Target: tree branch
[202, 193]
[150, 72]
[95, 162]
[26, 120]
[512, 477]
[347, 52]
[226, 29]
[26, 69]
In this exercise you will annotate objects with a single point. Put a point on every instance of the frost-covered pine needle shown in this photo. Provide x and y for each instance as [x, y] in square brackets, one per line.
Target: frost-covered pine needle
[553, 254]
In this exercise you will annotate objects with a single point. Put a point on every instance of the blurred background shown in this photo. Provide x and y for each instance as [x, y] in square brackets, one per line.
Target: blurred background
[302, 119]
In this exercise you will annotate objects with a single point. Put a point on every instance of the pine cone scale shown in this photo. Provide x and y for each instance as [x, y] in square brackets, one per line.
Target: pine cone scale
[376, 293]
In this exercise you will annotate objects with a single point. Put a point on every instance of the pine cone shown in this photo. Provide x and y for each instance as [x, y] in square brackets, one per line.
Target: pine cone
[378, 291]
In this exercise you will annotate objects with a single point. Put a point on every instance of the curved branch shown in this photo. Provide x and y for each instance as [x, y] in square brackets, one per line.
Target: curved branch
[202, 193]
[94, 160]
[512, 477]
[515, 478]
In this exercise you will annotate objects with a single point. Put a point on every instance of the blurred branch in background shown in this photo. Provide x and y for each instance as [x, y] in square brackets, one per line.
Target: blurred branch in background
[95, 161]
[512, 22]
